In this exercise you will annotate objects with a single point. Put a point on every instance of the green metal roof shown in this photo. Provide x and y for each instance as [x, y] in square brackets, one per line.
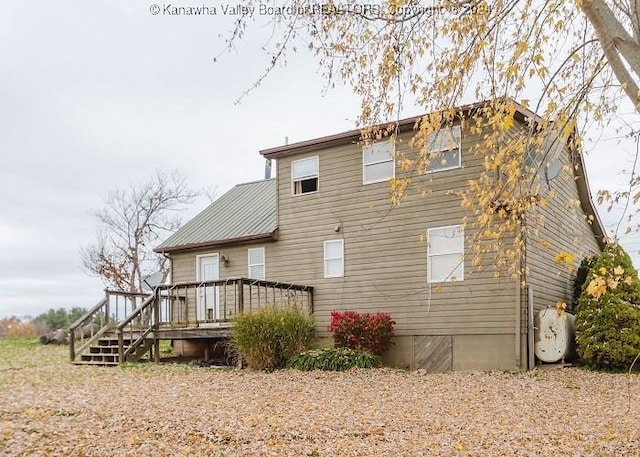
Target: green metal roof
[246, 212]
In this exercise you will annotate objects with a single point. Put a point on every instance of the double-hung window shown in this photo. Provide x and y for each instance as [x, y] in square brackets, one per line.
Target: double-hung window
[378, 163]
[445, 254]
[334, 259]
[256, 263]
[444, 149]
[304, 175]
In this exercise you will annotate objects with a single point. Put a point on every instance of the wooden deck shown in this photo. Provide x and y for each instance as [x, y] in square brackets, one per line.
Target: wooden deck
[181, 311]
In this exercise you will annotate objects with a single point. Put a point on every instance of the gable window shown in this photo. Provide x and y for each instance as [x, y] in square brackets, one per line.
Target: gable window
[304, 175]
[377, 162]
[445, 261]
[334, 259]
[444, 149]
[256, 263]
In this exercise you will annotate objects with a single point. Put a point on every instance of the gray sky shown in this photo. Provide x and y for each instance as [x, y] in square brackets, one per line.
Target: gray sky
[95, 95]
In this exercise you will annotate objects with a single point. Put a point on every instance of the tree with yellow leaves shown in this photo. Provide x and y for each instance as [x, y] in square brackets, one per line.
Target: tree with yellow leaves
[571, 62]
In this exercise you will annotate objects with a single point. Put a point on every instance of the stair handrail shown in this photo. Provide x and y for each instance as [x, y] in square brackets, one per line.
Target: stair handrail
[151, 324]
[104, 303]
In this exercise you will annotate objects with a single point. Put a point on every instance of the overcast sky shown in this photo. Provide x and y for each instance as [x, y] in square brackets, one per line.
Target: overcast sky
[96, 95]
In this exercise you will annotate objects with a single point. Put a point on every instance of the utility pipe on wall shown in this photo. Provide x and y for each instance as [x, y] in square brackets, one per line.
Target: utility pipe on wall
[530, 330]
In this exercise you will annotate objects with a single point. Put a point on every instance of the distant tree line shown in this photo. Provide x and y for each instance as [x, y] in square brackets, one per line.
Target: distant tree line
[57, 319]
[45, 323]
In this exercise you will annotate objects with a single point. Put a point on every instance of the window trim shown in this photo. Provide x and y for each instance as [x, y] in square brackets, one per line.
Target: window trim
[341, 274]
[459, 164]
[302, 178]
[392, 160]
[263, 264]
[430, 280]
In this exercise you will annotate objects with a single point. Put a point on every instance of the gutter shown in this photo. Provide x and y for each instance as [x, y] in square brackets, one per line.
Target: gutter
[216, 243]
[353, 136]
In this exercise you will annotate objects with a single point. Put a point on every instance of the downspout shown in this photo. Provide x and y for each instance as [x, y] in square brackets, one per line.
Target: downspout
[531, 363]
[522, 279]
[517, 322]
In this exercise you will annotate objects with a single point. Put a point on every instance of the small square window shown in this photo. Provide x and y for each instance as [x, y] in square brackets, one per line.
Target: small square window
[334, 259]
[304, 175]
[444, 149]
[377, 162]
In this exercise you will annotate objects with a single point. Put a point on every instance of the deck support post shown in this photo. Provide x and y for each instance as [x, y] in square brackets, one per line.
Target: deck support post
[207, 350]
[156, 350]
[72, 344]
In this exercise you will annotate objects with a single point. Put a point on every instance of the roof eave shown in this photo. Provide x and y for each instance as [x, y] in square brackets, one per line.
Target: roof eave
[353, 136]
[586, 201]
[218, 243]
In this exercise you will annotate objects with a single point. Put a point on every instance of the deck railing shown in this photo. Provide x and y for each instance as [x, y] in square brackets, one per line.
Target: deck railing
[188, 304]
[134, 317]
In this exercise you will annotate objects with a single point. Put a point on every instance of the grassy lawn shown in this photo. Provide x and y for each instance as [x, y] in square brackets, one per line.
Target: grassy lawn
[50, 407]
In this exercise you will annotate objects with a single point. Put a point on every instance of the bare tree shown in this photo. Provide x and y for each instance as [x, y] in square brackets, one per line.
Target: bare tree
[130, 224]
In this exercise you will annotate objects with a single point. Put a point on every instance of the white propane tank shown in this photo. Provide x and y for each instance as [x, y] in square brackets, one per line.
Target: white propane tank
[554, 335]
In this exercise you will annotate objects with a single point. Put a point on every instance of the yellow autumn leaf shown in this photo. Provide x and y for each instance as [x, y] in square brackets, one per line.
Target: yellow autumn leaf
[612, 283]
[603, 271]
[618, 270]
[565, 257]
[521, 48]
[596, 288]
[507, 123]
[560, 309]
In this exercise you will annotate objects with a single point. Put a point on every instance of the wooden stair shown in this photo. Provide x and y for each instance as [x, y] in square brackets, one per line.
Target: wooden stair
[105, 352]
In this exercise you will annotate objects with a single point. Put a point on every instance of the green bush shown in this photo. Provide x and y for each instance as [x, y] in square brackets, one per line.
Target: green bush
[608, 335]
[334, 359]
[608, 317]
[267, 338]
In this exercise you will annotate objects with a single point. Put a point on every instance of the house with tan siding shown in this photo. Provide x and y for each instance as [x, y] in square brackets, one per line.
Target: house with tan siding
[326, 220]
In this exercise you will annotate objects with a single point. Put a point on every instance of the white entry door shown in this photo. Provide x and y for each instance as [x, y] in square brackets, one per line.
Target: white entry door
[208, 296]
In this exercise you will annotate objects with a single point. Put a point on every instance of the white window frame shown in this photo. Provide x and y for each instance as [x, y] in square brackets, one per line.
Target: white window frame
[341, 258]
[458, 252]
[390, 159]
[315, 175]
[433, 137]
[250, 265]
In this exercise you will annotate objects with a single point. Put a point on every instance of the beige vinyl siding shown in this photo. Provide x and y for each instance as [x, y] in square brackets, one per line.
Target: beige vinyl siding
[565, 228]
[385, 259]
[184, 266]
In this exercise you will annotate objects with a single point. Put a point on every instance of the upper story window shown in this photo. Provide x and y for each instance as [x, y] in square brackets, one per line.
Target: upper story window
[304, 175]
[444, 149]
[445, 254]
[256, 263]
[377, 162]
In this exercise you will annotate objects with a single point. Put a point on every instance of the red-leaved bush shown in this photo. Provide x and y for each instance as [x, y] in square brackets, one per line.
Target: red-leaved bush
[371, 332]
